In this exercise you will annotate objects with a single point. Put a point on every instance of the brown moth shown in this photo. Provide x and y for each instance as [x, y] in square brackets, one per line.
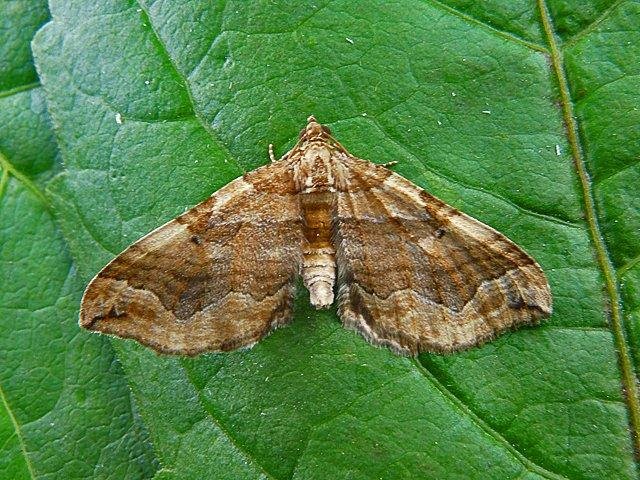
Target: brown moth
[412, 273]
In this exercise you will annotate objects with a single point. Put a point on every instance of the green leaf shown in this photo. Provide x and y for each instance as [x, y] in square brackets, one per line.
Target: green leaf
[20, 20]
[498, 108]
[65, 408]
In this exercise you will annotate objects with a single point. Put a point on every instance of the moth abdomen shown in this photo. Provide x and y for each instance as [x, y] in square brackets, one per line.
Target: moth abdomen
[319, 255]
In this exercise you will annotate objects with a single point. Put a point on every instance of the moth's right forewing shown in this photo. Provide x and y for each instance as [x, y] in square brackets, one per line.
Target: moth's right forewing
[418, 275]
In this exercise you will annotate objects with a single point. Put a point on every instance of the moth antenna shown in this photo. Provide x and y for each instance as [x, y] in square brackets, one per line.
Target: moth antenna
[336, 142]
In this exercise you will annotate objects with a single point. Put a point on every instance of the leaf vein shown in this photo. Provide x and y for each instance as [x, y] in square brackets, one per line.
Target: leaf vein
[19, 89]
[474, 21]
[593, 25]
[480, 423]
[9, 169]
[18, 433]
[224, 431]
[185, 82]
[628, 266]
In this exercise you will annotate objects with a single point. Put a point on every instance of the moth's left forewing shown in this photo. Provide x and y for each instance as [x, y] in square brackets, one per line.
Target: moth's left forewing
[216, 278]
[418, 275]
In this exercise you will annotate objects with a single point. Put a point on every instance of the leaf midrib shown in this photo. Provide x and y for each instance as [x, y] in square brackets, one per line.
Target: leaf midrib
[602, 254]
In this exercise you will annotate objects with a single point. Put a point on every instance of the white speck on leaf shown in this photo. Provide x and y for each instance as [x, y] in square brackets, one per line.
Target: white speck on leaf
[558, 151]
[453, 94]
[119, 119]
[349, 40]
[486, 112]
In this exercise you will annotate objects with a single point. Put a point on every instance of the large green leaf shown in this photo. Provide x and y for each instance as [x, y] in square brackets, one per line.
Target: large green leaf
[65, 408]
[499, 108]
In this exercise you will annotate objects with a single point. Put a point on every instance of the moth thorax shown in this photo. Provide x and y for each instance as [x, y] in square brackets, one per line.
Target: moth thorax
[315, 170]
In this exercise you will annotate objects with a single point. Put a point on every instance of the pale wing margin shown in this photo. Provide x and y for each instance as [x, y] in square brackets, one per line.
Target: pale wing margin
[418, 275]
[219, 277]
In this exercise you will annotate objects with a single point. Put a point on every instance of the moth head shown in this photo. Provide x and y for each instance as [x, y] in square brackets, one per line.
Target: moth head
[314, 131]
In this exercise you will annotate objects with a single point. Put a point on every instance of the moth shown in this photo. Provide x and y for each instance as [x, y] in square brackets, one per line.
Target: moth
[408, 271]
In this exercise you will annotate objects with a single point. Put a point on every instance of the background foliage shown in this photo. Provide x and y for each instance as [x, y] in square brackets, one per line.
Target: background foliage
[523, 114]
